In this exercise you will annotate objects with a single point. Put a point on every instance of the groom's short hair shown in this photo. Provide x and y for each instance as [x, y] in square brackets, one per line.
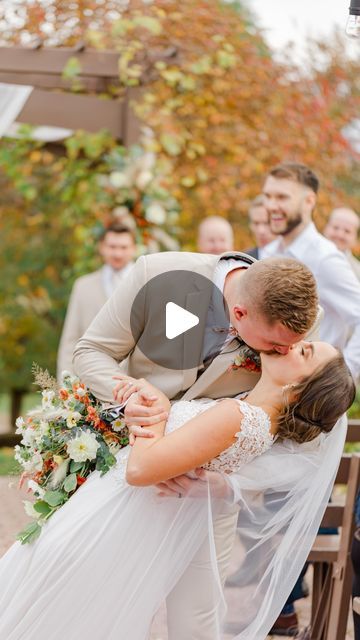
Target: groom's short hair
[281, 290]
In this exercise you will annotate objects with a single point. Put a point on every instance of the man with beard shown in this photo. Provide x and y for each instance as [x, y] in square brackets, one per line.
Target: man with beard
[290, 194]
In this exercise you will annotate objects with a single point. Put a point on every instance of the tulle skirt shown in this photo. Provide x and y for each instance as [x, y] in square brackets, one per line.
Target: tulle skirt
[102, 565]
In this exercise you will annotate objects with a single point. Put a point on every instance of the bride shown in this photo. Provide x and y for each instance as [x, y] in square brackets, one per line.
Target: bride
[115, 550]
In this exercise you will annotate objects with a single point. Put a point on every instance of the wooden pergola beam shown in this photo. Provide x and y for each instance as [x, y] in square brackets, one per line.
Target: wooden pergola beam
[53, 103]
[73, 111]
[46, 81]
[23, 60]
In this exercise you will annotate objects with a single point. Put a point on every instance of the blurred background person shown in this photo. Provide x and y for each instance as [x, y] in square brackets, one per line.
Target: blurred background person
[259, 226]
[290, 191]
[90, 292]
[343, 229]
[215, 235]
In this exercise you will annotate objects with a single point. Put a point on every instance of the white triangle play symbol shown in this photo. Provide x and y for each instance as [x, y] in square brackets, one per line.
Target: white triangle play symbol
[178, 320]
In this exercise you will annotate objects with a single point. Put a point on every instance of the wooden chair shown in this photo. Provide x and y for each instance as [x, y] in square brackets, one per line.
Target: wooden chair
[330, 554]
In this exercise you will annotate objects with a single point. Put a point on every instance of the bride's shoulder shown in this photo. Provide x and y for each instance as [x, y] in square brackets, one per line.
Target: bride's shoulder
[252, 418]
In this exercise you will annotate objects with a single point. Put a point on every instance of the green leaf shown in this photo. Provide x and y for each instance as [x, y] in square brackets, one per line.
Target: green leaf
[72, 68]
[75, 466]
[55, 498]
[172, 144]
[70, 483]
[42, 507]
[226, 60]
[30, 533]
[202, 65]
[151, 24]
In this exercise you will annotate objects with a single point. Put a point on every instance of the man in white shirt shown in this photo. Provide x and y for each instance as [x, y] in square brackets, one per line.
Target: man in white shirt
[90, 292]
[290, 192]
[343, 229]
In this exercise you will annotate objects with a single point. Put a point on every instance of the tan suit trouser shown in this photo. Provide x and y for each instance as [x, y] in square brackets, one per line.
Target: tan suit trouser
[191, 612]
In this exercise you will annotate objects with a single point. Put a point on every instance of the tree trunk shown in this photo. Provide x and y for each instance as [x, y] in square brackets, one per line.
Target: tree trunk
[16, 396]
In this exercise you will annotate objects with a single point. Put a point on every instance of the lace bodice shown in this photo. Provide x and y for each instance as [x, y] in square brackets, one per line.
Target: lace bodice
[253, 439]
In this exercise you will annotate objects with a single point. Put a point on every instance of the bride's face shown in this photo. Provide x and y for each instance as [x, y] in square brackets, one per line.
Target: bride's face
[300, 362]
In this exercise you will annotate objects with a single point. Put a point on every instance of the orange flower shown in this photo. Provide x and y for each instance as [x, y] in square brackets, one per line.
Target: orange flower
[92, 416]
[63, 394]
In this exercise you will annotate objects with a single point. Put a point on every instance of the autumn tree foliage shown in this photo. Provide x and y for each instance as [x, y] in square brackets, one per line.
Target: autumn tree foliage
[222, 110]
[52, 208]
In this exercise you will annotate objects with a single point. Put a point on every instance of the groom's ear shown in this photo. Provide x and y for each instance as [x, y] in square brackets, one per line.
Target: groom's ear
[240, 311]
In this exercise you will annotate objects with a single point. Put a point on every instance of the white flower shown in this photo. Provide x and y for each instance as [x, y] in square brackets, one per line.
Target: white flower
[34, 464]
[47, 398]
[44, 428]
[17, 454]
[35, 488]
[65, 374]
[119, 180]
[29, 509]
[147, 161]
[80, 392]
[29, 437]
[120, 212]
[118, 424]
[238, 360]
[83, 447]
[143, 179]
[72, 418]
[155, 214]
[20, 424]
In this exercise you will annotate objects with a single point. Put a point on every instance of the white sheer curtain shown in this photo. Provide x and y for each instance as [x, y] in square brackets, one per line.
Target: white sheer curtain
[12, 99]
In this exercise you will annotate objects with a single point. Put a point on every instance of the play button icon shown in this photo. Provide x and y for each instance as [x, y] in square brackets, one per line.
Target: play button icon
[170, 321]
[178, 320]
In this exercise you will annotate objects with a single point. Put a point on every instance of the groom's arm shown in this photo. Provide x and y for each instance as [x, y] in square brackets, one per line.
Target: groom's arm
[109, 340]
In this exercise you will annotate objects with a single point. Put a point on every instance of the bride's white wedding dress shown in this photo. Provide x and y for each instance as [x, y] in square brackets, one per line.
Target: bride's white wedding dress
[106, 560]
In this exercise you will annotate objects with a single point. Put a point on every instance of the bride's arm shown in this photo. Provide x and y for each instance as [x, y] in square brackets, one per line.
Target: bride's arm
[198, 441]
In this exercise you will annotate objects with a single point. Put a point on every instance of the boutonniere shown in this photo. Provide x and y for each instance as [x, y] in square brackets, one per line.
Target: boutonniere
[247, 359]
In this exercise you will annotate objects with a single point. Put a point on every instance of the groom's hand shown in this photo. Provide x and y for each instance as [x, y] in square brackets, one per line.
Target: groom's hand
[196, 488]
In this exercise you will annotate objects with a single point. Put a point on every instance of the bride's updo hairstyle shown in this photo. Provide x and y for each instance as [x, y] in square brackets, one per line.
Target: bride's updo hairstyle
[320, 400]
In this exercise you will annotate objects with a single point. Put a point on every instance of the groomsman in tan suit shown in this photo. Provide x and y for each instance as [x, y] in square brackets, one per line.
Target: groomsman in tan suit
[90, 292]
[265, 316]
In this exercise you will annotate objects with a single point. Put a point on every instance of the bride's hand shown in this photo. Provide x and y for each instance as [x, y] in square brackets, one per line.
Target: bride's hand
[128, 385]
[140, 412]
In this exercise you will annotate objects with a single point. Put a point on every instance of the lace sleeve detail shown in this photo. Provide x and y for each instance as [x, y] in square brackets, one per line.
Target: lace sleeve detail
[253, 440]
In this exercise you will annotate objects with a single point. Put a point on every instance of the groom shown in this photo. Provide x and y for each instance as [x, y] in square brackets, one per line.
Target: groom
[272, 305]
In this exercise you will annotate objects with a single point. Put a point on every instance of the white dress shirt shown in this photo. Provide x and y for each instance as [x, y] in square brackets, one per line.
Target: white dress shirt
[111, 278]
[354, 263]
[339, 290]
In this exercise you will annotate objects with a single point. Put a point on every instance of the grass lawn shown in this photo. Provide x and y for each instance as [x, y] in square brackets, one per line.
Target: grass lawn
[8, 466]
[30, 401]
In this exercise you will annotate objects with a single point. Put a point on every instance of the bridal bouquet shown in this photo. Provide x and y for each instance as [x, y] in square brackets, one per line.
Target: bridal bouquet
[63, 441]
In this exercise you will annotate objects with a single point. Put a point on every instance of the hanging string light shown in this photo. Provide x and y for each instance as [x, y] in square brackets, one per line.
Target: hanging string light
[353, 24]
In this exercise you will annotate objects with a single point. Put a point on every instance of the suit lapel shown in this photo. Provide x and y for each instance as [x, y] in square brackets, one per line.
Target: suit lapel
[215, 370]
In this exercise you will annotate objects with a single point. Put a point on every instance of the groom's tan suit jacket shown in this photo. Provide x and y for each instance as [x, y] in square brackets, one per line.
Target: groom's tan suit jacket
[108, 347]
